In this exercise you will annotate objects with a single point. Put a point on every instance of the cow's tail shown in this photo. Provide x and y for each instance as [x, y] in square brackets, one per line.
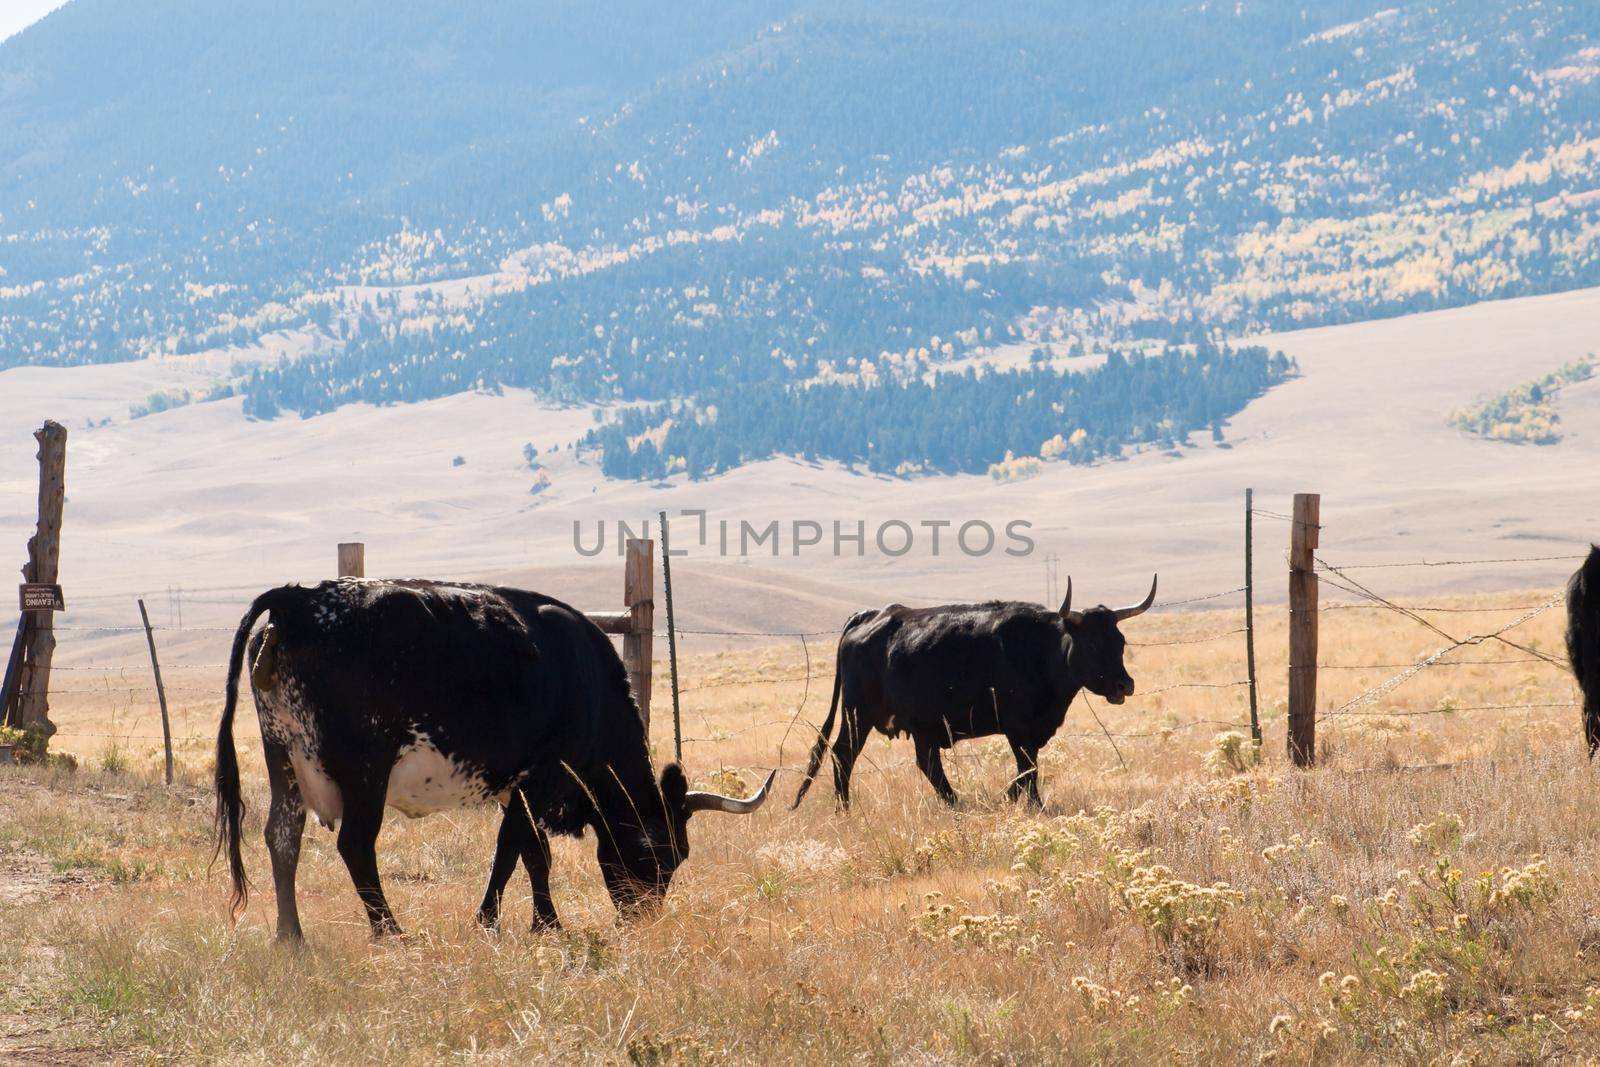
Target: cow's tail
[1583, 642]
[824, 735]
[230, 802]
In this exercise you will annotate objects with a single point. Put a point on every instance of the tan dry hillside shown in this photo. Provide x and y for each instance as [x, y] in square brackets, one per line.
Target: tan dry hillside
[202, 500]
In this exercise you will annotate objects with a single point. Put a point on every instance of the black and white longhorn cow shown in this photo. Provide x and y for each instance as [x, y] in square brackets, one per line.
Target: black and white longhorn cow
[423, 696]
[947, 673]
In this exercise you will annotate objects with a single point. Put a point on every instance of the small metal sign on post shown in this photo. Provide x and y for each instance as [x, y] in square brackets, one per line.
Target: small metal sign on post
[40, 596]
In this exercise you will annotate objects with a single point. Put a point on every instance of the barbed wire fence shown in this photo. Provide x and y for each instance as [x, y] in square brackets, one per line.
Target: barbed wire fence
[126, 682]
[1364, 599]
[1516, 652]
[818, 680]
[196, 684]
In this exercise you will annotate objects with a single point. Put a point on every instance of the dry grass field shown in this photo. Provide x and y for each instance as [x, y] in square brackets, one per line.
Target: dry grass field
[1428, 894]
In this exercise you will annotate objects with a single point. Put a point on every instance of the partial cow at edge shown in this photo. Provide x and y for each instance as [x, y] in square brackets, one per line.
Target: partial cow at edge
[1583, 641]
[945, 674]
[425, 696]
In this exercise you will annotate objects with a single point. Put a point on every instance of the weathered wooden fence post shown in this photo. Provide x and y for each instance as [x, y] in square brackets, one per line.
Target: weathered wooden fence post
[32, 680]
[1303, 542]
[635, 623]
[1250, 610]
[161, 690]
[637, 643]
[352, 559]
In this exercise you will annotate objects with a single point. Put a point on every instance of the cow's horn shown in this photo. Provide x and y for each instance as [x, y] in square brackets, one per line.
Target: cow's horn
[1066, 611]
[694, 802]
[1139, 609]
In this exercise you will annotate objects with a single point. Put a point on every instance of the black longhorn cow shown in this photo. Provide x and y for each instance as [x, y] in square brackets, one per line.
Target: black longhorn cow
[1583, 641]
[948, 673]
[424, 696]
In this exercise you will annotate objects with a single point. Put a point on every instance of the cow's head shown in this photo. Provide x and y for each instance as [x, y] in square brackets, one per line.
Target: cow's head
[1095, 655]
[638, 862]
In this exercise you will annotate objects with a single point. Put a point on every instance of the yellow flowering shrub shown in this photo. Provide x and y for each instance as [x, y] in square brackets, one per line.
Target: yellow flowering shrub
[1295, 847]
[1426, 989]
[1443, 834]
[940, 847]
[1182, 915]
[940, 922]
[1518, 887]
[1232, 752]
[1039, 845]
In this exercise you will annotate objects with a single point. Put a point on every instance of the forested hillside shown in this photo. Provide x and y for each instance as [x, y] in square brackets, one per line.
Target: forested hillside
[717, 204]
[953, 425]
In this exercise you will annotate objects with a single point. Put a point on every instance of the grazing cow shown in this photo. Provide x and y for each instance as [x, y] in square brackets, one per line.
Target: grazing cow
[424, 696]
[948, 673]
[1583, 641]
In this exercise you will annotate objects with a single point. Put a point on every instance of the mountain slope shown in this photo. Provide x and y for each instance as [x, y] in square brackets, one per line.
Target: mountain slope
[649, 203]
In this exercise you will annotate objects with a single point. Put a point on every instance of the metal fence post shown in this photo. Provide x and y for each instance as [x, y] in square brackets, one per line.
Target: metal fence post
[161, 690]
[672, 640]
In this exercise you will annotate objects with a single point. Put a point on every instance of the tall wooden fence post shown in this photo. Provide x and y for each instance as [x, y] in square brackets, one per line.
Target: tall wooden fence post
[637, 592]
[1303, 628]
[1250, 610]
[161, 690]
[352, 559]
[44, 565]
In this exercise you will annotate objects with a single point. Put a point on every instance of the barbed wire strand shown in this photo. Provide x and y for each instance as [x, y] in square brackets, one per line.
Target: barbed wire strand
[1390, 684]
[1353, 586]
[1188, 640]
[1285, 518]
[1452, 663]
[1447, 562]
[1452, 709]
[1431, 608]
[139, 667]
